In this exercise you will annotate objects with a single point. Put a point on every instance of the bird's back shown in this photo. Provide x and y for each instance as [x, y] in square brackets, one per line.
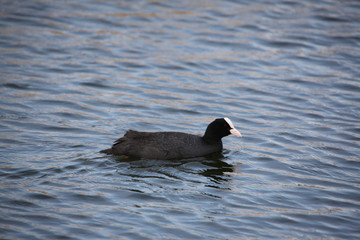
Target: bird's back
[162, 145]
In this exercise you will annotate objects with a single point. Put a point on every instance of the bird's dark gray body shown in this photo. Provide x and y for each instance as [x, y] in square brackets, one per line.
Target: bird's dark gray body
[162, 145]
[168, 145]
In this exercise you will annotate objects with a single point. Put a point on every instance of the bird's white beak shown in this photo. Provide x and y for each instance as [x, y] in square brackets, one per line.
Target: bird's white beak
[235, 132]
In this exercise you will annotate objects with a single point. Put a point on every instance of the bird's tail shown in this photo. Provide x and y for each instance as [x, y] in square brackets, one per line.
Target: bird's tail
[107, 151]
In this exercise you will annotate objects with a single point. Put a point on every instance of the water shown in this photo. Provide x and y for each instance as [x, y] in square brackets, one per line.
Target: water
[76, 75]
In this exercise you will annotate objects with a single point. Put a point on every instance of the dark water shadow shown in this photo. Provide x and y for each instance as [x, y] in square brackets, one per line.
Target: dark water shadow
[213, 166]
[217, 167]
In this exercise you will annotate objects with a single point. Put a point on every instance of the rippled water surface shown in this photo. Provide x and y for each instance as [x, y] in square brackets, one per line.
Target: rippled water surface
[75, 75]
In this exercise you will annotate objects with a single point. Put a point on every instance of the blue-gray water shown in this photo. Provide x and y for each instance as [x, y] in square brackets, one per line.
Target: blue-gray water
[75, 75]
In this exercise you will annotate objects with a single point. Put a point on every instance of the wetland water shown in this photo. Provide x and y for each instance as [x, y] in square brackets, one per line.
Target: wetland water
[74, 76]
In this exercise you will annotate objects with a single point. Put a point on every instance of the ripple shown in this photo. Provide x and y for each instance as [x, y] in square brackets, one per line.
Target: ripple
[23, 173]
[76, 76]
[285, 44]
[40, 196]
[20, 86]
[21, 203]
[85, 198]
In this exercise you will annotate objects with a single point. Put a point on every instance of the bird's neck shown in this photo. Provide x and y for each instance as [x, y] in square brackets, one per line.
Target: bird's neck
[211, 139]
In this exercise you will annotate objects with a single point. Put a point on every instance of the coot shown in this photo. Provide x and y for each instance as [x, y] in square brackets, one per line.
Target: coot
[168, 145]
